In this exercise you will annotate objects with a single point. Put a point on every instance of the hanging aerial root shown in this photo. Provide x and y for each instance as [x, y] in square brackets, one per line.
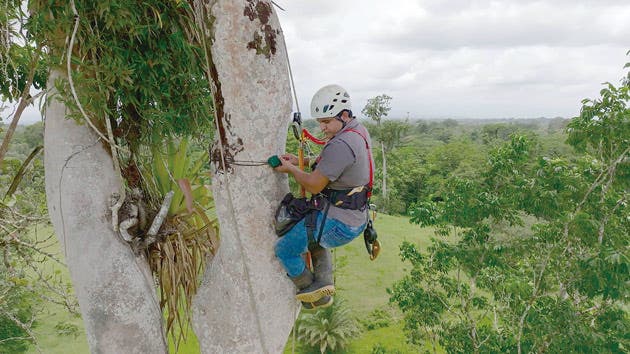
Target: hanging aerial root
[129, 223]
[134, 215]
[161, 216]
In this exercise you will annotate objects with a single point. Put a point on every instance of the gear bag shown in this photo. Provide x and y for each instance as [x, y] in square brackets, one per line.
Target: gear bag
[291, 210]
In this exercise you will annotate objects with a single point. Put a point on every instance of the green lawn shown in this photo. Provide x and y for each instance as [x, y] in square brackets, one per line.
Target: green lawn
[361, 282]
[364, 282]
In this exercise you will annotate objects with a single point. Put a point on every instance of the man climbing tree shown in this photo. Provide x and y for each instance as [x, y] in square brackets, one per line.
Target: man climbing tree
[341, 182]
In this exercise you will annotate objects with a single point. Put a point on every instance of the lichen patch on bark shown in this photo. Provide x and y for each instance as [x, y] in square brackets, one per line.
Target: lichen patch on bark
[264, 41]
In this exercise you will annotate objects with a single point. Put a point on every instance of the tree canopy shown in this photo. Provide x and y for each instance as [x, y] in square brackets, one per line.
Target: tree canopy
[531, 251]
[377, 107]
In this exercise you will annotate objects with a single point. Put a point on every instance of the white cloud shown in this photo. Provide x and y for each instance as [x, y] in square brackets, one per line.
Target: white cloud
[459, 58]
[504, 24]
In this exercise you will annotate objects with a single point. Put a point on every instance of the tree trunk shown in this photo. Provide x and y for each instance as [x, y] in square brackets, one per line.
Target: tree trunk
[246, 303]
[114, 288]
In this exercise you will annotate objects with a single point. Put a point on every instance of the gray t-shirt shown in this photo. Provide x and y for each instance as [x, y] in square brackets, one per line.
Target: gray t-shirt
[344, 160]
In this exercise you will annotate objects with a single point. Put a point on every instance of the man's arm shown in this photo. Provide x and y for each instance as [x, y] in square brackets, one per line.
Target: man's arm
[294, 159]
[313, 182]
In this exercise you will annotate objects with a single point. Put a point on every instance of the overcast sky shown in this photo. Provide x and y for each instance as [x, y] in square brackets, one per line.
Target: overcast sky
[457, 58]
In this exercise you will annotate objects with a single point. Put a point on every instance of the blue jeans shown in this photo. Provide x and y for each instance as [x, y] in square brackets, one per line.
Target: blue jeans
[290, 247]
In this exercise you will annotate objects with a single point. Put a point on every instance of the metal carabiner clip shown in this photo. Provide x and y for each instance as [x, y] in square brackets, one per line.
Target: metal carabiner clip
[372, 245]
[296, 125]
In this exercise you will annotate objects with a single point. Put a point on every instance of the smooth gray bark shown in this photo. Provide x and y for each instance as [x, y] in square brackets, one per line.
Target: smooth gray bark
[114, 288]
[246, 303]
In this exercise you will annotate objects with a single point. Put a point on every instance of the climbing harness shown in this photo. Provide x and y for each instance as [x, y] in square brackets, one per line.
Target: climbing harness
[372, 245]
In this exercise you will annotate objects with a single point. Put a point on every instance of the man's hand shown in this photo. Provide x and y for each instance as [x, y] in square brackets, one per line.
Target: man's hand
[286, 164]
[313, 182]
[291, 158]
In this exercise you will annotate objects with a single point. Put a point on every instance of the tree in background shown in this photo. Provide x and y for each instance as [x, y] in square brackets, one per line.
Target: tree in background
[532, 252]
[376, 109]
[391, 133]
[22, 67]
[25, 287]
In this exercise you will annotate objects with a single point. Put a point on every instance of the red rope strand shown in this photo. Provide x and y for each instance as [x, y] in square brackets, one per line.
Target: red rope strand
[312, 138]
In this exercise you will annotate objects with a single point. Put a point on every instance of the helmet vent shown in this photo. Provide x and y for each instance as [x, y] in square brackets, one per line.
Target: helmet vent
[335, 100]
[345, 94]
[325, 108]
[338, 93]
[343, 101]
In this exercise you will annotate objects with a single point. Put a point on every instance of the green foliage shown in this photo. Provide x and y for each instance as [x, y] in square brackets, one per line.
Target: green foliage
[491, 133]
[67, 329]
[497, 284]
[380, 349]
[171, 164]
[378, 318]
[603, 125]
[19, 55]
[191, 236]
[377, 108]
[13, 339]
[138, 63]
[404, 174]
[22, 206]
[328, 329]
[24, 140]
[16, 308]
[493, 281]
[391, 132]
[29, 198]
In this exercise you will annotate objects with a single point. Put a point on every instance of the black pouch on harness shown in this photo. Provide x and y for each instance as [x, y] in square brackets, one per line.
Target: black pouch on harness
[353, 199]
[290, 211]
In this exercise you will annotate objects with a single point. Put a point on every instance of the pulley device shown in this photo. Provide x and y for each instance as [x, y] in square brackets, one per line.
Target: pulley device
[372, 245]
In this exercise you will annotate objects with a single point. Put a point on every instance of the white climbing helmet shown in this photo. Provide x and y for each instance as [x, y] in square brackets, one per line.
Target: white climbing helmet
[329, 101]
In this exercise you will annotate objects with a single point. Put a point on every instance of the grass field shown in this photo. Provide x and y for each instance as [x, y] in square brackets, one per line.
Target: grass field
[48, 337]
[361, 282]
